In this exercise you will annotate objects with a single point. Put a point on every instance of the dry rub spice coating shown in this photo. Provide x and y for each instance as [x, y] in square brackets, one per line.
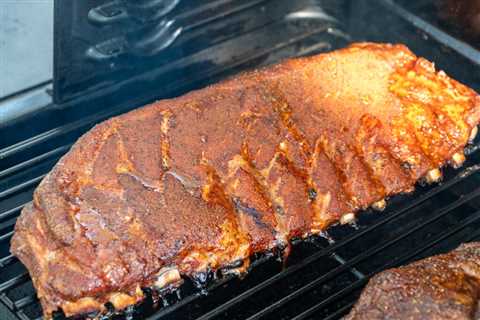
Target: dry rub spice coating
[205, 180]
[443, 287]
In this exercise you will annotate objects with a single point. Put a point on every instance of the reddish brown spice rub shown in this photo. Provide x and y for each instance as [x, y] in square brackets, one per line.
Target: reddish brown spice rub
[205, 180]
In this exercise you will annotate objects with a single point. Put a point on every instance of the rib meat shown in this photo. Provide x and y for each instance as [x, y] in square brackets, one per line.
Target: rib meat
[203, 181]
[443, 287]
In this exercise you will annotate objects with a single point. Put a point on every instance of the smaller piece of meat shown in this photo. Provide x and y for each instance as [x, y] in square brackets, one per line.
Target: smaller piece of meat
[446, 286]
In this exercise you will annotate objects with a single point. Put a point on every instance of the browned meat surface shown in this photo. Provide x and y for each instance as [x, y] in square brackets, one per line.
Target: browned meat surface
[205, 180]
[442, 287]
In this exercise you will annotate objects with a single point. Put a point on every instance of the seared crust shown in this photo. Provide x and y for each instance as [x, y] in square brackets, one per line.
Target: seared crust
[205, 180]
[443, 287]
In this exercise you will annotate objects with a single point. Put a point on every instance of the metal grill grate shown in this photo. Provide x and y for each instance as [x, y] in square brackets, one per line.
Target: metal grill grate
[324, 275]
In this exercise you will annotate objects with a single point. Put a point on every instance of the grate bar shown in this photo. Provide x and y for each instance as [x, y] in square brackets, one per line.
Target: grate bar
[23, 316]
[8, 223]
[25, 301]
[473, 236]
[366, 254]
[11, 212]
[6, 301]
[356, 285]
[33, 161]
[61, 130]
[174, 307]
[21, 186]
[472, 219]
[353, 270]
[464, 174]
[6, 236]
[340, 311]
[15, 281]
[5, 261]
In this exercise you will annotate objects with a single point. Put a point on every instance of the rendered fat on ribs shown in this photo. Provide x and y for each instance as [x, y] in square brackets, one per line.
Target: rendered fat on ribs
[443, 287]
[203, 181]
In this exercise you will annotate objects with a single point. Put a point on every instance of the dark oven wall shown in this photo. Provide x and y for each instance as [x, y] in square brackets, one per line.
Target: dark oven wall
[101, 45]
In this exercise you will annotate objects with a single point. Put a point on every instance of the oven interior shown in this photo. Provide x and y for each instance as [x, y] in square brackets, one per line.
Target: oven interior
[113, 56]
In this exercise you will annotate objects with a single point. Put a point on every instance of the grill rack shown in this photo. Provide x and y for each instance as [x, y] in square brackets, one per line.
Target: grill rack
[324, 275]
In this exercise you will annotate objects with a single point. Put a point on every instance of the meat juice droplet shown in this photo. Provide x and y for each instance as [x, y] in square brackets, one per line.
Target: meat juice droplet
[326, 236]
[282, 255]
[165, 302]
[130, 313]
[155, 297]
[201, 280]
[354, 225]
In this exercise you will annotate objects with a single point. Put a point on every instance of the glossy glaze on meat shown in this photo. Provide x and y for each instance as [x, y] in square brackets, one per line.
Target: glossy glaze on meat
[443, 287]
[203, 181]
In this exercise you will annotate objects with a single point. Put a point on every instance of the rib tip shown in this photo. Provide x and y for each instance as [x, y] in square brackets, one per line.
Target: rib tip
[434, 175]
[347, 218]
[379, 205]
[167, 276]
[457, 160]
[473, 134]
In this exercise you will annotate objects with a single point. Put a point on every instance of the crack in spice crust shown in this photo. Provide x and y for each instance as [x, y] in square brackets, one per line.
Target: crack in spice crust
[203, 181]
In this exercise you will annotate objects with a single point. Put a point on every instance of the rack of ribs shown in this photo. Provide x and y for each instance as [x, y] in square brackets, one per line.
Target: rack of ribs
[446, 286]
[203, 181]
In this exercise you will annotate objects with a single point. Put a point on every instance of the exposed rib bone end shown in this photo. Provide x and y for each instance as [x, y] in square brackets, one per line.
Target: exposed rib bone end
[122, 300]
[457, 160]
[379, 205]
[168, 276]
[473, 134]
[433, 176]
[347, 218]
